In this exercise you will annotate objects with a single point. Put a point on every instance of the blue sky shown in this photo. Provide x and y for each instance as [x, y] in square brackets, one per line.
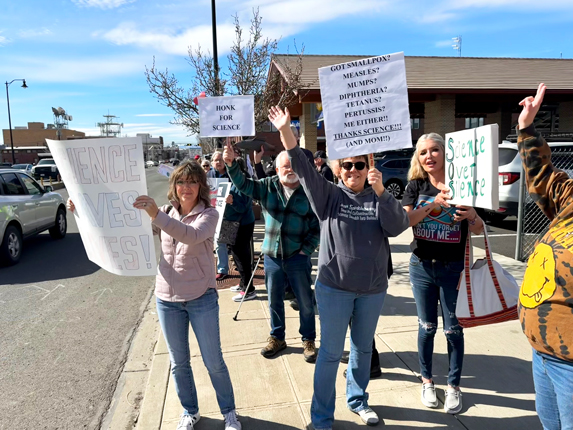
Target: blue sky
[89, 56]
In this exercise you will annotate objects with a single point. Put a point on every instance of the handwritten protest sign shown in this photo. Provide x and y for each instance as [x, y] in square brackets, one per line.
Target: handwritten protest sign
[103, 177]
[165, 170]
[365, 106]
[227, 116]
[472, 158]
[222, 193]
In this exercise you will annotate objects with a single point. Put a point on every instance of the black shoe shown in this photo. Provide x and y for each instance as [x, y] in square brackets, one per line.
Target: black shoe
[294, 305]
[374, 373]
[345, 357]
[289, 295]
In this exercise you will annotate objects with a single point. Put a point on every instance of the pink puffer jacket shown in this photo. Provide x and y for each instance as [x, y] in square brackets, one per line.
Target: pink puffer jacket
[187, 264]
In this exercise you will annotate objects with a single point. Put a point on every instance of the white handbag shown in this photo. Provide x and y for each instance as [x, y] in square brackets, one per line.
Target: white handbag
[487, 293]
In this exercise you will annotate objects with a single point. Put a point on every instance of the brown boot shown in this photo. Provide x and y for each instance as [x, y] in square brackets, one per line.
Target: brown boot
[273, 347]
[309, 351]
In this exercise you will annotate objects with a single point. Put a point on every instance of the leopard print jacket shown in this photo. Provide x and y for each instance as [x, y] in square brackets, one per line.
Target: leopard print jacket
[546, 296]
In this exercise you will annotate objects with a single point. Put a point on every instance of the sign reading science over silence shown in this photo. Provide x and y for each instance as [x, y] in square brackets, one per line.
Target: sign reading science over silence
[365, 105]
[227, 116]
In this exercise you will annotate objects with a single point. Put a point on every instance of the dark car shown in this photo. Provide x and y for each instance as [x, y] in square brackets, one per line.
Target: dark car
[394, 174]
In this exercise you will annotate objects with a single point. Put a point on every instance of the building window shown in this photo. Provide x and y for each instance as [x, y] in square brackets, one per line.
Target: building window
[474, 122]
[415, 123]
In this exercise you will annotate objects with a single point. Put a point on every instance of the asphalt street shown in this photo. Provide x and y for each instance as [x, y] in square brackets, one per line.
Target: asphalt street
[66, 326]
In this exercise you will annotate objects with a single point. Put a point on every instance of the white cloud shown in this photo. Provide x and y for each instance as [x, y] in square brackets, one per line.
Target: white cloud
[31, 33]
[154, 114]
[128, 33]
[444, 43]
[102, 4]
[90, 69]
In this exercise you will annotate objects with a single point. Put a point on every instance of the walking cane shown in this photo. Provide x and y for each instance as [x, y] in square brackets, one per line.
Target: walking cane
[248, 286]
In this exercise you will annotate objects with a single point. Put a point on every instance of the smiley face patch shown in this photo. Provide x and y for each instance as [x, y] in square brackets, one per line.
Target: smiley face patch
[539, 280]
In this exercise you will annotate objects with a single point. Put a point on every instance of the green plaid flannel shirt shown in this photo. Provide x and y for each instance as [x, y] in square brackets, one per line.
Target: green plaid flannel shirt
[290, 226]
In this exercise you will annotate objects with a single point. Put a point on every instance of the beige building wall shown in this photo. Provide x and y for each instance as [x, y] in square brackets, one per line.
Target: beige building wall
[308, 130]
[36, 135]
[440, 115]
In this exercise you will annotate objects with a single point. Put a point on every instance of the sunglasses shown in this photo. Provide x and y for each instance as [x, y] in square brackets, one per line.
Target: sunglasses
[206, 165]
[359, 165]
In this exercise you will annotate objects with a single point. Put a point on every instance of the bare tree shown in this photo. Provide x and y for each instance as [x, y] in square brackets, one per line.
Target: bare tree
[248, 73]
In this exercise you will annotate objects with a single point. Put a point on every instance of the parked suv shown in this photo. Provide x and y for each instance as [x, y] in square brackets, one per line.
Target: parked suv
[510, 174]
[46, 168]
[394, 166]
[26, 209]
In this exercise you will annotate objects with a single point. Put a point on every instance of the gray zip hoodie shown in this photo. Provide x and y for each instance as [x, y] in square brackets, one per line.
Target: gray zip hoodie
[354, 230]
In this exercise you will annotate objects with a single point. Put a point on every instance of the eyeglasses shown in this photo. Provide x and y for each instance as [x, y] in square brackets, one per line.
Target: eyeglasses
[206, 165]
[359, 165]
[186, 183]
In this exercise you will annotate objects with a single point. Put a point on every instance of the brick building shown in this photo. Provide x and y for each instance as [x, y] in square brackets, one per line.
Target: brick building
[24, 154]
[35, 134]
[453, 93]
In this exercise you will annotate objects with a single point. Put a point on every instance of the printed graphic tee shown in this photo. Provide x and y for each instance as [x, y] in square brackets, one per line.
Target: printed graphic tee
[437, 236]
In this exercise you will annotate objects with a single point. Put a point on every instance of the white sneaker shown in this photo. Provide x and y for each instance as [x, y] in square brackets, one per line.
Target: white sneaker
[429, 397]
[236, 289]
[368, 416]
[231, 421]
[453, 401]
[188, 421]
[250, 296]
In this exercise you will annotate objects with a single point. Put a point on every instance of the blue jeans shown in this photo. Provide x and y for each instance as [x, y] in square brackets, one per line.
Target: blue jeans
[297, 270]
[335, 309]
[222, 258]
[203, 313]
[431, 281]
[553, 380]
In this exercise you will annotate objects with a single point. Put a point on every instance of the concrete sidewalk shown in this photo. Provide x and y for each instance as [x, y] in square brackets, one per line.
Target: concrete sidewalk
[275, 394]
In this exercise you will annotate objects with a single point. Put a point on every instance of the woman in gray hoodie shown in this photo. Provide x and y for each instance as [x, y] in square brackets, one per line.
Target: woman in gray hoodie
[355, 223]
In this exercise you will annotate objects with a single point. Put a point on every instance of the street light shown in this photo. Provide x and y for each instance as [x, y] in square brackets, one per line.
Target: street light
[9, 119]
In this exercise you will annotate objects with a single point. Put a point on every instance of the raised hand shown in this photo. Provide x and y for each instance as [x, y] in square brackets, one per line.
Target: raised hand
[259, 155]
[229, 154]
[147, 204]
[279, 118]
[375, 179]
[531, 106]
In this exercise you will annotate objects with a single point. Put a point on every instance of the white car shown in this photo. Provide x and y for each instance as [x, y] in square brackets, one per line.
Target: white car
[510, 175]
[26, 209]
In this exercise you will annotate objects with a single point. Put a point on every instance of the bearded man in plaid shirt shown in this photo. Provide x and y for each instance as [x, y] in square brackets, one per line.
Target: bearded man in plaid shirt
[292, 233]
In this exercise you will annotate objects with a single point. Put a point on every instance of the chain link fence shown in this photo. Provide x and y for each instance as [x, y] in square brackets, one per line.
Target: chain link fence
[532, 223]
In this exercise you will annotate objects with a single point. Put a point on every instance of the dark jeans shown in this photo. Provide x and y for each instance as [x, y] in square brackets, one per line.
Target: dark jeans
[241, 252]
[297, 270]
[431, 281]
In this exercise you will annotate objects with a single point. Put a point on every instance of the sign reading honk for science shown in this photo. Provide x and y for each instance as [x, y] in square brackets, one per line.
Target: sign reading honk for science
[365, 105]
[227, 116]
[472, 159]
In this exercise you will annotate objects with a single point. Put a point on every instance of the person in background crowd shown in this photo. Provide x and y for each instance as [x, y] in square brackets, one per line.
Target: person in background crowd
[206, 165]
[546, 296]
[186, 289]
[436, 263]
[197, 158]
[240, 208]
[219, 172]
[355, 223]
[291, 236]
[321, 163]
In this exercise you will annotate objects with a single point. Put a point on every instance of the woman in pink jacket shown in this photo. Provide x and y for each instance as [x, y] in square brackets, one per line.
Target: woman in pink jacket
[186, 288]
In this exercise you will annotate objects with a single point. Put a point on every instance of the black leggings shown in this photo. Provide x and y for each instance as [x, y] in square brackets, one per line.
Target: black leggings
[241, 252]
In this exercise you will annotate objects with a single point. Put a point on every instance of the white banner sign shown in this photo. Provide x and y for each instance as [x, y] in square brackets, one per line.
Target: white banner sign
[103, 177]
[365, 106]
[472, 159]
[227, 116]
[214, 188]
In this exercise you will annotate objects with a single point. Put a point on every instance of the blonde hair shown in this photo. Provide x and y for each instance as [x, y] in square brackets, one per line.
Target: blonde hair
[416, 170]
[190, 170]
